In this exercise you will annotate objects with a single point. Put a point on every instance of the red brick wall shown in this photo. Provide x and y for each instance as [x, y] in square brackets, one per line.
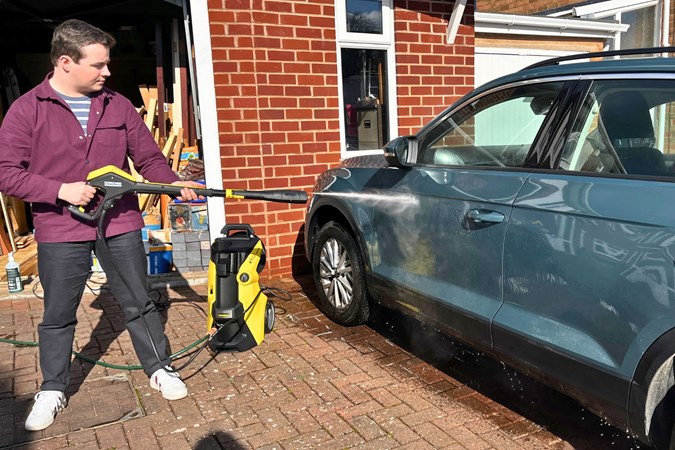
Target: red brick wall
[276, 80]
[431, 74]
[277, 100]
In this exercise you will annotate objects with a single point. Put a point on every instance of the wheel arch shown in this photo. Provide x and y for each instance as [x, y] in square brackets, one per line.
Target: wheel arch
[654, 379]
[326, 211]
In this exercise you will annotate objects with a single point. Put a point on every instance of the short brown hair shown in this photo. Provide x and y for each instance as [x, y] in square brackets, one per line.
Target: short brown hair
[72, 35]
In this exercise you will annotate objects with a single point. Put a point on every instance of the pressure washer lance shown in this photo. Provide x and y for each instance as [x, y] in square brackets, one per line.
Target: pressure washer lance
[239, 315]
[114, 183]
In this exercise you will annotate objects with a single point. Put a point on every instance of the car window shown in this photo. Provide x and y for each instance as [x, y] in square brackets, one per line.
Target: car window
[497, 129]
[624, 127]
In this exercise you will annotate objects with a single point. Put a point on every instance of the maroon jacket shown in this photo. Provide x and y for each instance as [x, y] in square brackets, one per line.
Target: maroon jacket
[42, 145]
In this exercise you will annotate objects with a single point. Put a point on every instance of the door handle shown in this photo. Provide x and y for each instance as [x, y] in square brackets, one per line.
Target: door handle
[485, 215]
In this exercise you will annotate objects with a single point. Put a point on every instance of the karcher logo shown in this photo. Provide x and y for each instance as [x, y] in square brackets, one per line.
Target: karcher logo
[112, 183]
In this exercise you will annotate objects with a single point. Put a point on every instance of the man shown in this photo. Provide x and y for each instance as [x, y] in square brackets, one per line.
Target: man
[50, 139]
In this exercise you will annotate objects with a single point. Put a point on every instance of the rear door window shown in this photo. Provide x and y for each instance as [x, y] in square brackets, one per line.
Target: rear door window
[624, 127]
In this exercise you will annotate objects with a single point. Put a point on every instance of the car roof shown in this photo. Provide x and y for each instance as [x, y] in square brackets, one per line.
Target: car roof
[608, 66]
[552, 69]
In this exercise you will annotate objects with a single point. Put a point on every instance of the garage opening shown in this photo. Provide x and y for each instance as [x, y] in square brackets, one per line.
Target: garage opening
[150, 65]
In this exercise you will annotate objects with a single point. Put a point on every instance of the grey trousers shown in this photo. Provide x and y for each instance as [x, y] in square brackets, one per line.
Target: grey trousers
[63, 268]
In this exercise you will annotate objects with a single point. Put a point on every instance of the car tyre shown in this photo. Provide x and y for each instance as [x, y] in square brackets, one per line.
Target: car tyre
[339, 276]
[662, 433]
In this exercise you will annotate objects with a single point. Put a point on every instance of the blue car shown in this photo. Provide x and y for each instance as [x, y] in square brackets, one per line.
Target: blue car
[534, 220]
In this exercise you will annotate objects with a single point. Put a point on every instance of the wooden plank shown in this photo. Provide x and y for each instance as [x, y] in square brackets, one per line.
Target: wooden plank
[164, 201]
[145, 95]
[24, 241]
[8, 223]
[175, 157]
[177, 119]
[18, 214]
[169, 145]
[152, 112]
[27, 259]
[577, 45]
[5, 243]
[159, 66]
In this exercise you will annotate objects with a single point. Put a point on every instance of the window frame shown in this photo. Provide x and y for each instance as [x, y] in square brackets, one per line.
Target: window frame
[367, 41]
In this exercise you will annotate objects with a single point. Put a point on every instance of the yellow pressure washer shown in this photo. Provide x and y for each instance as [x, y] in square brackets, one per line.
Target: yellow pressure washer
[239, 313]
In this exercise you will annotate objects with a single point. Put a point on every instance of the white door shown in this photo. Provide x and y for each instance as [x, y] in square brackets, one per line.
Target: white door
[492, 62]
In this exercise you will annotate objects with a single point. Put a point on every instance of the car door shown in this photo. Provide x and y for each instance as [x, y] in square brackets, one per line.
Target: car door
[438, 251]
[588, 256]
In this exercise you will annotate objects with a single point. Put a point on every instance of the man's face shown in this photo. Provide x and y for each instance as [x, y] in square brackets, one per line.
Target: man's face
[89, 74]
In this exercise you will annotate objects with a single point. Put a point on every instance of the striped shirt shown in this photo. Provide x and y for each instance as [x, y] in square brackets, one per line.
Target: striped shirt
[80, 107]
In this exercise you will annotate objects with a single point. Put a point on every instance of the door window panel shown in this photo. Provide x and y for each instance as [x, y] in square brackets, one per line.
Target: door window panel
[624, 127]
[496, 130]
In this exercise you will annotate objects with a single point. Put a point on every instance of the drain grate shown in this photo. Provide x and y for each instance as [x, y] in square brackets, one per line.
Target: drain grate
[96, 402]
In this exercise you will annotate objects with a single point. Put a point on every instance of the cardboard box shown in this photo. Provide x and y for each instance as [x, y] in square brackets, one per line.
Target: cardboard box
[152, 221]
[146, 230]
[158, 237]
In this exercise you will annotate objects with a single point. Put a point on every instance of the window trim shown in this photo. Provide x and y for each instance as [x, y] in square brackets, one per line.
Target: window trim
[367, 41]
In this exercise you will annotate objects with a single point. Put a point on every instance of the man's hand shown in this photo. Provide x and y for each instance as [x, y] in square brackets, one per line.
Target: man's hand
[78, 194]
[187, 194]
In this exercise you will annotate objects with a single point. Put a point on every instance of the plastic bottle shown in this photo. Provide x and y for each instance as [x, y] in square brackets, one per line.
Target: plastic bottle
[13, 274]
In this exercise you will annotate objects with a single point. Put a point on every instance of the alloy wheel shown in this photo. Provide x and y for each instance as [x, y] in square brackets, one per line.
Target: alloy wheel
[336, 274]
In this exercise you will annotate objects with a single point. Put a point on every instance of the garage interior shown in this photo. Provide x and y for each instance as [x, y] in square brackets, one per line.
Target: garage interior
[150, 61]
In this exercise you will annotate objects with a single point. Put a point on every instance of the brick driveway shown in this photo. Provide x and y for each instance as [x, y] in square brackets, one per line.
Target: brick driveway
[311, 384]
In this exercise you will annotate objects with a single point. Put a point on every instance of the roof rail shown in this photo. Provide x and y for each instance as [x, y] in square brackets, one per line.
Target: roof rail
[628, 51]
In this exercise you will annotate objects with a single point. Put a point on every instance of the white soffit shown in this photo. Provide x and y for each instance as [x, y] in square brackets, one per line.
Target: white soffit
[545, 26]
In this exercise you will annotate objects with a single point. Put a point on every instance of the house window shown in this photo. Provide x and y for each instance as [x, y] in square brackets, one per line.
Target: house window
[643, 28]
[364, 92]
[364, 16]
[643, 16]
[366, 74]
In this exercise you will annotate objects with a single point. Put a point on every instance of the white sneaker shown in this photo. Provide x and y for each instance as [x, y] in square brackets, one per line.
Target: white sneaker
[47, 404]
[169, 384]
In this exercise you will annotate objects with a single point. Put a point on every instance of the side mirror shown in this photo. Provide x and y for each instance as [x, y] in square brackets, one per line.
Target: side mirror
[401, 152]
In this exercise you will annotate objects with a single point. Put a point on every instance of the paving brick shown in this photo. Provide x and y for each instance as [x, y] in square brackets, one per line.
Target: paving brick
[334, 424]
[111, 436]
[142, 438]
[272, 436]
[303, 421]
[367, 428]
[434, 435]
[401, 432]
[425, 415]
[315, 439]
[419, 444]
[468, 439]
[384, 397]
